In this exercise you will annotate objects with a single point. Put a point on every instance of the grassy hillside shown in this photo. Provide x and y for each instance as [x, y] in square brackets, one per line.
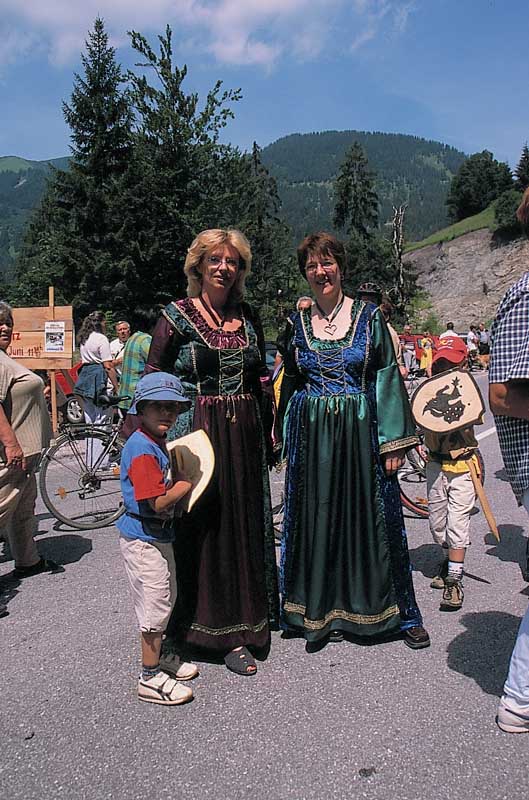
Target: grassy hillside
[485, 219]
[408, 170]
[16, 164]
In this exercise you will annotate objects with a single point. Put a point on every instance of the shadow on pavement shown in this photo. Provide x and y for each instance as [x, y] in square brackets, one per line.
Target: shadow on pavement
[513, 546]
[482, 652]
[501, 475]
[426, 559]
[65, 549]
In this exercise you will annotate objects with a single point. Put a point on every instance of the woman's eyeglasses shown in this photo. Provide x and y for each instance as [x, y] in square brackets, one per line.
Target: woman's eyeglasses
[216, 261]
[328, 265]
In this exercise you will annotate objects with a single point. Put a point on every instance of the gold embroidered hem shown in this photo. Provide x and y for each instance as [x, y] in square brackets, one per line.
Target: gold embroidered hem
[398, 444]
[230, 629]
[339, 613]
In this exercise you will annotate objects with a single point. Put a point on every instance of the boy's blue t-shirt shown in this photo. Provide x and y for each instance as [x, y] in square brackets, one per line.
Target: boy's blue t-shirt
[144, 475]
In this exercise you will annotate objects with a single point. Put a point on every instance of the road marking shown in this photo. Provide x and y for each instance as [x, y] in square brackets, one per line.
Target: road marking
[484, 435]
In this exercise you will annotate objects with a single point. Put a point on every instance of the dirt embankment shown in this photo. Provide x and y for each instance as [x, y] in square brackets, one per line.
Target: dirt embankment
[467, 277]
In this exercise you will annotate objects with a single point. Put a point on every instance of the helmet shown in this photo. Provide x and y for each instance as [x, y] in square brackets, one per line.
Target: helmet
[369, 288]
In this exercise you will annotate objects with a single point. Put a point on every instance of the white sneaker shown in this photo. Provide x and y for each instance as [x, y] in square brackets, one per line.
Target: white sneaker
[163, 690]
[510, 721]
[181, 670]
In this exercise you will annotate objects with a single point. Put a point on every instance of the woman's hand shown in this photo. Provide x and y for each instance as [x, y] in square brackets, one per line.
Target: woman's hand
[393, 461]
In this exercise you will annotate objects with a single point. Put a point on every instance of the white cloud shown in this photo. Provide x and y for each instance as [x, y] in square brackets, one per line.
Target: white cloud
[256, 32]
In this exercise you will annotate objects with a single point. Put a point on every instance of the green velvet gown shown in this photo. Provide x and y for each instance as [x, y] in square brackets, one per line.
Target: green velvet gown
[344, 561]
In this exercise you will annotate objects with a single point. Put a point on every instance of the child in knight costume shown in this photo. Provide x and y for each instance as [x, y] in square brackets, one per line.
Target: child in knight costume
[446, 407]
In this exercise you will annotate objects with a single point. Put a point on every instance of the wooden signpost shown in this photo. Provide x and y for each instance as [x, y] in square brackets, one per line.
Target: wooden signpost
[43, 339]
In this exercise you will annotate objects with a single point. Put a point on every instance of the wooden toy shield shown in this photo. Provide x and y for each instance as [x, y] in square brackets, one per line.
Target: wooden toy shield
[448, 402]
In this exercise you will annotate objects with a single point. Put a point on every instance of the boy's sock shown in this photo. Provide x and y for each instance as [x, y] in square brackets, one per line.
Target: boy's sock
[149, 672]
[455, 570]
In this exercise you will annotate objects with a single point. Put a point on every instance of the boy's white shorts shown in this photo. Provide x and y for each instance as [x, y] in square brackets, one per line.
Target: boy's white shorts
[451, 498]
[150, 568]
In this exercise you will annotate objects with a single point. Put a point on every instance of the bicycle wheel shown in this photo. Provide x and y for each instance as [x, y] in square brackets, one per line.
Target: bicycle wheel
[412, 483]
[79, 478]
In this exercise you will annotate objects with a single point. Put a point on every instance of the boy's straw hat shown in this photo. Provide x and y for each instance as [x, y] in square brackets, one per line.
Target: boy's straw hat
[193, 456]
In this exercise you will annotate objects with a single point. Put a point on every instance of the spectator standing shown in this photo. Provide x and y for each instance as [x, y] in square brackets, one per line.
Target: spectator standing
[484, 337]
[117, 345]
[472, 340]
[449, 332]
[509, 401]
[24, 431]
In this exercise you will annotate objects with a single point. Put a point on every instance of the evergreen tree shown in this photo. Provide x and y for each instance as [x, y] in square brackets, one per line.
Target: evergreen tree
[369, 256]
[522, 170]
[71, 240]
[479, 181]
[273, 282]
[356, 201]
[179, 181]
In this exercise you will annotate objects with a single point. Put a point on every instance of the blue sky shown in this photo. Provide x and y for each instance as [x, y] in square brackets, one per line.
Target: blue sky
[450, 70]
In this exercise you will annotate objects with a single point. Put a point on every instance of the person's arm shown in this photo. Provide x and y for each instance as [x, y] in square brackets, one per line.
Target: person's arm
[510, 399]
[147, 478]
[396, 429]
[163, 349]
[172, 496]
[111, 372]
[13, 451]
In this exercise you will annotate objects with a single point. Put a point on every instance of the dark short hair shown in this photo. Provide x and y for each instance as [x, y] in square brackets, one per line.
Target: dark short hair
[321, 244]
[450, 326]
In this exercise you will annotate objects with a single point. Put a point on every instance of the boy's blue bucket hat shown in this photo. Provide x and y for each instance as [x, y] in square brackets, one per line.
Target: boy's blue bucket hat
[159, 386]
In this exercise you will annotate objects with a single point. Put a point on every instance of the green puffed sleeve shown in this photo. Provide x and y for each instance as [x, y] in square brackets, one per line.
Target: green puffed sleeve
[396, 428]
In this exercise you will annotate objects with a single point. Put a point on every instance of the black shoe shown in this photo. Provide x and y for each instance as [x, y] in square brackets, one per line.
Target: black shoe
[44, 565]
[3, 610]
[336, 636]
[416, 637]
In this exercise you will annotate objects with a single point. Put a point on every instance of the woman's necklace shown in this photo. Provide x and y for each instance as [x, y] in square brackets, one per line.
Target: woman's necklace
[217, 318]
[330, 327]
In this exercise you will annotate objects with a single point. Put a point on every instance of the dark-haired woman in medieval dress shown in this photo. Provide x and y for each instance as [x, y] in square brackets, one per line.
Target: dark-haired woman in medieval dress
[344, 564]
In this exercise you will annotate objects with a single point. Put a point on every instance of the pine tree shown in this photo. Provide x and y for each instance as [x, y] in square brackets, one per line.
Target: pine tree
[272, 284]
[71, 240]
[356, 201]
[369, 256]
[522, 170]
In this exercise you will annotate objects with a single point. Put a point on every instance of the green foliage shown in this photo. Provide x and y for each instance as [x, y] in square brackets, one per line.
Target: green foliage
[479, 181]
[522, 170]
[408, 169]
[114, 230]
[71, 240]
[485, 219]
[421, 315]
[505, 212]
[356, 201]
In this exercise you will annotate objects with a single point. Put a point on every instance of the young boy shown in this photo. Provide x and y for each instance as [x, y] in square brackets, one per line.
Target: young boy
[451, 493]
[147, 531]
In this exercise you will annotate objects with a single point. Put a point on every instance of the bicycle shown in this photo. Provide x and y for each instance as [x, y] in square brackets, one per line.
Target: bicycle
[79, 475]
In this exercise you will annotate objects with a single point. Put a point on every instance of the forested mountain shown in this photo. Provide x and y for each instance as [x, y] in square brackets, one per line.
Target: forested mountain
[408, 170]
[22, 184]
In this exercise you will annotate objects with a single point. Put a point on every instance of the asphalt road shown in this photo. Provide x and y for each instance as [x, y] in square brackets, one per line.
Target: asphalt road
[346, 722]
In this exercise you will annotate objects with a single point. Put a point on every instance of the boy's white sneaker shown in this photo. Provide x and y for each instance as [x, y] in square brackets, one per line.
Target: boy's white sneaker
[163, 690]
[181, 670]
[511, 722]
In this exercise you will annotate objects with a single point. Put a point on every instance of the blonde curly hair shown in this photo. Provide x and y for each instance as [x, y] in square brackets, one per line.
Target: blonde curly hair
[203, 245]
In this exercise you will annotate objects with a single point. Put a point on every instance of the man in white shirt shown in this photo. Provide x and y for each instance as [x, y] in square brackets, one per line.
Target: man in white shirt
[117, 345]
[449, 331]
